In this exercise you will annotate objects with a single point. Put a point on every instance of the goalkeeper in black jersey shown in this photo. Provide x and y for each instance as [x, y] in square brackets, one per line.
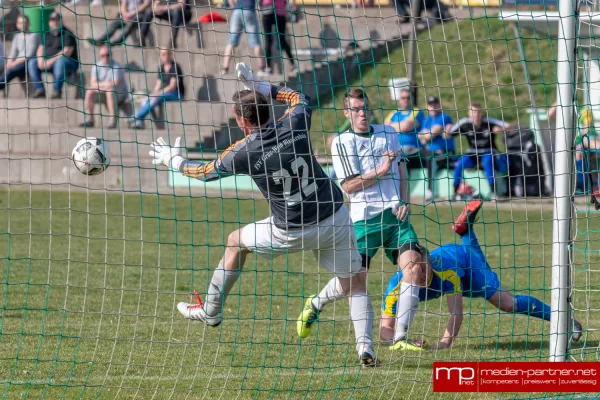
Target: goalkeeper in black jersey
[307, 208]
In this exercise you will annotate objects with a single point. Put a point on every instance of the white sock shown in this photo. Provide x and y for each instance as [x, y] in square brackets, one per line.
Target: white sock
[406, 309]
[220, 285]
[362, 315]
[330, 293]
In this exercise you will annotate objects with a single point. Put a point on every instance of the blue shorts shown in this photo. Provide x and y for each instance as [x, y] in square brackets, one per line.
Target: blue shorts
[242, 20]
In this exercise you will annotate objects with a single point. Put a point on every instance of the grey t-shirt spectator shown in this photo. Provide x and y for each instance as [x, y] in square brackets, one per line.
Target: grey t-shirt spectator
[134, 4]
[24, 45]
[105, 73]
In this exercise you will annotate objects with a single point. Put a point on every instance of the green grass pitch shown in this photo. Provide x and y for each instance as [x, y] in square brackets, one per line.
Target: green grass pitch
[90, 284]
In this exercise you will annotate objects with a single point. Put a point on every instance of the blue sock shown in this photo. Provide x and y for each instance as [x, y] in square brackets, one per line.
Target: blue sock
[533, 307]
[469, 238]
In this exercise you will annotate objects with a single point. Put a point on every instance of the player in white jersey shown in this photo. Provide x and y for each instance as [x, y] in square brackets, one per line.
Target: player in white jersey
[364, 158]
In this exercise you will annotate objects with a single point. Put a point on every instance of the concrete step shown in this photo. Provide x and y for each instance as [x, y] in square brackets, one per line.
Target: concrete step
[127, 146]
[22, 170]
[69, 114]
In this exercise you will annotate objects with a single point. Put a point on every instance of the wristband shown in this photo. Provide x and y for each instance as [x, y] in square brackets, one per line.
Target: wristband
[176, 163]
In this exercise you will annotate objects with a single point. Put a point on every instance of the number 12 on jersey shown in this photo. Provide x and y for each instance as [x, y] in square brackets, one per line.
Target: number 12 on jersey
[307, 185]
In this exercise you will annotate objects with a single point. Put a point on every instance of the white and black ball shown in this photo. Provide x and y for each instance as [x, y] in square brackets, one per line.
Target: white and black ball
[91, 156]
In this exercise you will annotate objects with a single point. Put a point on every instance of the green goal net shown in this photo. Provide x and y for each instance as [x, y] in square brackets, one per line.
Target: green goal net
[92, 267]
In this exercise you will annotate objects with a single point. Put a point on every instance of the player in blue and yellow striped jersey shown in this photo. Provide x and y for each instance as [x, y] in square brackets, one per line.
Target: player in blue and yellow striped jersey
[460, 270]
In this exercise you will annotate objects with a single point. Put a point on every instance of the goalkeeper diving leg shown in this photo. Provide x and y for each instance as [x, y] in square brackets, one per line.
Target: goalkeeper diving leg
[223, 279]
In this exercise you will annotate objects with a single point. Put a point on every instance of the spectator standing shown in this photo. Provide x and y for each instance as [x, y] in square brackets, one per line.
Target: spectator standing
[169, 87]
[274, 19]
[56, 54]
[23, 48]
[133, 14]
[177, 12]
[482, 150]
[107, 83]
[244, 19]
[401, 10]
[436, 8]
[435, 135]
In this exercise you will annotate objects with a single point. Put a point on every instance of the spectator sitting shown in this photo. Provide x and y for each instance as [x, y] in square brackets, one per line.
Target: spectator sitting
[133, 14]
[169, 87]
[439, 142]
[408, 121]
[57, 54]
[23, 48]
[591, 146]
[177, 12]
[108, 82]
[435, 134]
[482, 147]
[244, 19]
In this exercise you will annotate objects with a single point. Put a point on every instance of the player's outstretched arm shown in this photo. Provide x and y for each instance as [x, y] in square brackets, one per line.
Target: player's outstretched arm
[455, 308]
[298, 102]
[171, 158]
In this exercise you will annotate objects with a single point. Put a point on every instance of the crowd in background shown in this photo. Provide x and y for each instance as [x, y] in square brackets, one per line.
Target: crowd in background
[427, 137]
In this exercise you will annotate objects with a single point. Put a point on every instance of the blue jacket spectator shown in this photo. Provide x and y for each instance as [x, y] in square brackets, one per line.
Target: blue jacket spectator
[439, 142]
[435, 129]
[407, 122]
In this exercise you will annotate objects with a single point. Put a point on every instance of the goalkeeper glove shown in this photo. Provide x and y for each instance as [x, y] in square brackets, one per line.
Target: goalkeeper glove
[166, 155]
[245, 75]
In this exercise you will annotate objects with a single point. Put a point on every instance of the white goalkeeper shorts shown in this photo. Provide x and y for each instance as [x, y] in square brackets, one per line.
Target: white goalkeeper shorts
[332, 241]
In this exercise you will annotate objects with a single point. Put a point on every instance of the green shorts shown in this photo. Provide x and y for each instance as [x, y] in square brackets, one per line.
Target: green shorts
[384, 230]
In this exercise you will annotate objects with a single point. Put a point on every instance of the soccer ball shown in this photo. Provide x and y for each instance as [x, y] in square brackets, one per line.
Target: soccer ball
[91, 156]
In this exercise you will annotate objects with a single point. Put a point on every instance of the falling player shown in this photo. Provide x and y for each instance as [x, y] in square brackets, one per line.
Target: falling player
[377, 185]
[462, 270]
[308, 211]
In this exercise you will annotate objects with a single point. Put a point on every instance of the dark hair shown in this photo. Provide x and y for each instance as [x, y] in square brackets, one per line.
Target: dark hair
[252, 106]
[354, 93]
[24, 17]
